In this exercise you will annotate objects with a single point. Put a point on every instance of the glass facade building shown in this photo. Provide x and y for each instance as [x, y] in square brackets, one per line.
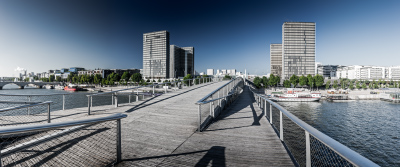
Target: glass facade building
[181, 61]
[298, 49]
[156, 55]
[276, 59]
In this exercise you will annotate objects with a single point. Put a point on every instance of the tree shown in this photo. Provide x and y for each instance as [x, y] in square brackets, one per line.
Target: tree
[257, 82]
[335, 84]
[51, 78]
[125, 76]
[186, 79]
[319, 80]
[294, 79]
[36, 78]
[302, 80]
[310, 80]
[58, 79]
[137, 77]
[286, 83]
[358, 86]
[227, 77]
[364, 86]
[97, 79]
[265, 81]
[328, 84]
[271, 80]
[351, 87]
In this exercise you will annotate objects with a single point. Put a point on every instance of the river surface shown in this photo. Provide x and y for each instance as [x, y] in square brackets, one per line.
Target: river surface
[369, 127]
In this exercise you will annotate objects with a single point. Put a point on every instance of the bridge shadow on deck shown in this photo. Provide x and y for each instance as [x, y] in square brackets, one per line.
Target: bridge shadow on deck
[214, 156]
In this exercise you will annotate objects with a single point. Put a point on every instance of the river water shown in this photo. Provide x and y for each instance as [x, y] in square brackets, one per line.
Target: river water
[369, 127]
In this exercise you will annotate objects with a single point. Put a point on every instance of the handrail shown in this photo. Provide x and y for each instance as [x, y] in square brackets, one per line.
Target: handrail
[20, 102]
[25, 106]
[137, 87]
[339, 148]
[36, 94]
[42, 127]
[205, 102]
[205, 97]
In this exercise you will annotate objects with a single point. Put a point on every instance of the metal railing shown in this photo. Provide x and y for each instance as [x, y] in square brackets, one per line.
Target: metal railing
[33, 112]
[211, 106]
[89, 142]
[307, 146]
[58, 99]
[146, 91]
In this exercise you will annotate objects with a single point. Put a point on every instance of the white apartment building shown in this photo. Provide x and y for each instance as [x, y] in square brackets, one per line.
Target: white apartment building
[368, 72]
[210, 71]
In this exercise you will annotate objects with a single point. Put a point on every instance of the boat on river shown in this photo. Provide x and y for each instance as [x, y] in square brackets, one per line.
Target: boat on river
[294, 95]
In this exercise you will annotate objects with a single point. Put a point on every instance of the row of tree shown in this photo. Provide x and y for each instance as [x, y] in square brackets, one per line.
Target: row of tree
[115, 78]
[318, 81]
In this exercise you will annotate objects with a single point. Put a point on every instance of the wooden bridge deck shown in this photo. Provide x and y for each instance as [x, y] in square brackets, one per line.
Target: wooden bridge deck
[163, 134]
[161, 131]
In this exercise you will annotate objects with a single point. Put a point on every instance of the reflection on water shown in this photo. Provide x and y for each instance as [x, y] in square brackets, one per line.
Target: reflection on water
[369, 127]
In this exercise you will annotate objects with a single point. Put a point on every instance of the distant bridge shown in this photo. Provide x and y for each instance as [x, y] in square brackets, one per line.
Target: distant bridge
[23, 84]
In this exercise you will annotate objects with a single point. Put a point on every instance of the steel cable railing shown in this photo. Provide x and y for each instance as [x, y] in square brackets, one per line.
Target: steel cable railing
[30, 112]
[211, 106]
[307, 146]
[89, 142]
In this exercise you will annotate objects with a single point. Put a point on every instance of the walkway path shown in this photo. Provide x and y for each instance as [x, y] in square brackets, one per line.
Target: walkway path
[163, 134]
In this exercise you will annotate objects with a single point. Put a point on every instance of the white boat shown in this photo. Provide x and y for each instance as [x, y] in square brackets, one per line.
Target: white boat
[59, 87]
[296, 96]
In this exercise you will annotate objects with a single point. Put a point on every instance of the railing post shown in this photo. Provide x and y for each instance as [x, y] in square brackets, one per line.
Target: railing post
[48, 113]
[116, 100]
[308, 150]
[29, 109]
[63, 102]
[199, 118]
[119, 150]
[153, 90]
[129, 98]
[88, 105]
[165, 88]
[281, 127]
[211, 110]
[265, 108]
[112, 99]
[270, 113]
[91, 101]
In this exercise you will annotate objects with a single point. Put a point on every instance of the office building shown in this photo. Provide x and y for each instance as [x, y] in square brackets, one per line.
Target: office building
[327, 71]
[210, 71]
[276, 59]
[298, 49]
[181, 61]
[156, 55]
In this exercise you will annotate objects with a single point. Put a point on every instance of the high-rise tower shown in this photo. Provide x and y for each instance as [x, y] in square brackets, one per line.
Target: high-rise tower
[298, 49]
[156, 55]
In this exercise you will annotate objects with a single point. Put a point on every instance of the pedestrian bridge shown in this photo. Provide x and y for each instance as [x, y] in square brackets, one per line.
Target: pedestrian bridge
[23, 84]
[211, 124]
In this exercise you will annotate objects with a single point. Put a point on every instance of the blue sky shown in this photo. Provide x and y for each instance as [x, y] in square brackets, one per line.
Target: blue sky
[39, 35]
